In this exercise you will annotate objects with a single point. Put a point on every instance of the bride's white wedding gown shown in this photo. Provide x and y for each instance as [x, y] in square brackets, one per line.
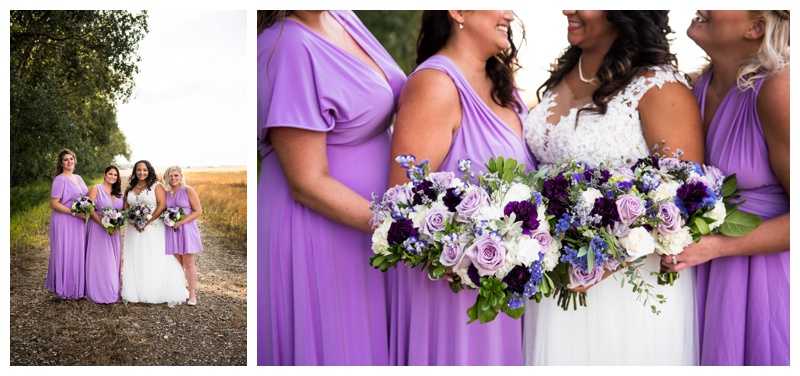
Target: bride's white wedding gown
[614, 328]
[148, 274]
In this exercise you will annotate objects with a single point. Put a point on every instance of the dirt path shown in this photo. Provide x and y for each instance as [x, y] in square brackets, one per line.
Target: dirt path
[45, 330]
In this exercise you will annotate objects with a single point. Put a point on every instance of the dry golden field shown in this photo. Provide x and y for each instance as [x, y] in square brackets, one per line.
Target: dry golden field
[223, 196]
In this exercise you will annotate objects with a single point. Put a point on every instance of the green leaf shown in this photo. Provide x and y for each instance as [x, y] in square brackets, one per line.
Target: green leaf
[729, 186]
[701, 226]
[376, 260]
[510, 165]
[472, 312]
[589, 259]
[487, 315]
[739, 223]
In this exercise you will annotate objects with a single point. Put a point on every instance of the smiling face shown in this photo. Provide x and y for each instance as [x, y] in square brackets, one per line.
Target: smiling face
[590, 29]
[111, 176]
[488, 27]
[175, 178]
[719, 29]
[141, 171]
[68, 162]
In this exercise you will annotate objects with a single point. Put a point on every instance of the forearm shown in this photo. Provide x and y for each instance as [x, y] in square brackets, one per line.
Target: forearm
[335, 201]
[771, 236]
[59, 207]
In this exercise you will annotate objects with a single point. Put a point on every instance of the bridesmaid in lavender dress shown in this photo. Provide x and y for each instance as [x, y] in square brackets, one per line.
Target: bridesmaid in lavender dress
[103, 249]
[460, 102]
[326, 98]
[65, 271]
[184, 240]
[743, 283]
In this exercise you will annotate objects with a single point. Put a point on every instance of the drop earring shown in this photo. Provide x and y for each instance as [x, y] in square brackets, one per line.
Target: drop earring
[461, 26]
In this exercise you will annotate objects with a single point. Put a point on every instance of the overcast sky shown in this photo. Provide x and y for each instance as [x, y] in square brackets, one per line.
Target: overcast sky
[189, 106]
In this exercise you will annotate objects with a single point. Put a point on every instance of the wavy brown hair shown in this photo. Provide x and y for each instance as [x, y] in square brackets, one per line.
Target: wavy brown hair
[133, 180]
[116, 188]
[642, 43]
[267, 18]
[434, 33]
[59, 169]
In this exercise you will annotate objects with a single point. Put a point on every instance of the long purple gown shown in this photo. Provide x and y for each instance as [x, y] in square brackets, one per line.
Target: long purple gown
[319, 300]
[103, 254]
[187, 239]
[65, 271]
[743, 301]
[429, 321]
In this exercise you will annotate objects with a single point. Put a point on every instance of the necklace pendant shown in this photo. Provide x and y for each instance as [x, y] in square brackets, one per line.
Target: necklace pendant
[580, 71]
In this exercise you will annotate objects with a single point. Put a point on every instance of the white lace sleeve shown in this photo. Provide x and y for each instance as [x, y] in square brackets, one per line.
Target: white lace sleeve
[635, 90]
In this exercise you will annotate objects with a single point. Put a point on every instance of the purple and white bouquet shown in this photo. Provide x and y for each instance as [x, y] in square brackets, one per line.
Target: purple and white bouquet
[688, 200]
[172, 215]
[112, 219]
[139, 214]
[491, 236]
[82, 205]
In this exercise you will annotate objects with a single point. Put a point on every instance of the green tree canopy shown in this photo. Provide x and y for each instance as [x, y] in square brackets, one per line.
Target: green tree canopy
[69, 69]
[397, 31]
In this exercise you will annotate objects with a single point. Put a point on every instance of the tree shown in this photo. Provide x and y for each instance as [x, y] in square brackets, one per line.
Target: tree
[68, 71]
[397, 31]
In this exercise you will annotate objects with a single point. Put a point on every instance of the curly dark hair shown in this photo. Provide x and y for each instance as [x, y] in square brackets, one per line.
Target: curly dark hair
[434, 33]
[133, 180]
[116, 188]
[642, 43]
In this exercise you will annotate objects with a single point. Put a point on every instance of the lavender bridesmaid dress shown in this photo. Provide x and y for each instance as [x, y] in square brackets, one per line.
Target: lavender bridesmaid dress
[743, 301]
[429, 321]
[65, 271]
[319, 300]
[187, 239]
[103, 254]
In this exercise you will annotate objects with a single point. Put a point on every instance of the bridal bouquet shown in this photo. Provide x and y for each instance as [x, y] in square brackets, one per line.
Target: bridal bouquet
[172, 215]
[112, 219]
[490, 236]
[139, 214]
[83, 205]
[688, 200]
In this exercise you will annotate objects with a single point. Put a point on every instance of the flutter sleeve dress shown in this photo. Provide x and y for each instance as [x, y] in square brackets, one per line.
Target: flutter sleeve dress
[65, 271]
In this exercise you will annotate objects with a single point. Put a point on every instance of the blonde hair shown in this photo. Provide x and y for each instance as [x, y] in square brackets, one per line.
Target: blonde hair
[169, 169]
[772, 55]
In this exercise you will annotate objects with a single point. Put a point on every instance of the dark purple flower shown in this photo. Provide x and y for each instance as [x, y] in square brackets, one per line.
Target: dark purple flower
[556, 191]
[691, 196]
[525, 212]
[400, 231]
[424, 189]
[602, 177]
[606, 208]
[472, 272]
[451, 199]
[651, 161]
[517, 278]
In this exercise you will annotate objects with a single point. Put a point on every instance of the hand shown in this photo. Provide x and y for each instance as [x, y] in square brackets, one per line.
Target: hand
[695, 253]
[177, 224]
[82, 216]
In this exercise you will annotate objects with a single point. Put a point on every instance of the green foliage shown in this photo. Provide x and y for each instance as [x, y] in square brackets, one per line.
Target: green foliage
[397, 31]
[68, 71]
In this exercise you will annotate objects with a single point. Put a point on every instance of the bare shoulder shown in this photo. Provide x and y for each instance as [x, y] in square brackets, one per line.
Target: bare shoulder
[432, 87]
[190, 191]
[773, 98]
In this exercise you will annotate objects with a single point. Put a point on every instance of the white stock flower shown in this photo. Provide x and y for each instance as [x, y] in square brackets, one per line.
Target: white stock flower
[517, 192]
[638, 242]
[717, 214]
[673, 244]
[666, 191]
[491, 213]
[380, 244]
[527, 250]
[418, 215]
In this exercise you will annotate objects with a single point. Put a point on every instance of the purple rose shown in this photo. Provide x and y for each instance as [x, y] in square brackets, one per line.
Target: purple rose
[487, 253]
[670, 216]
[471, 203]
[611, 264]
[434, 220]
[400, 231]
[452, 254]
[714, 174]
[525, 212]
[442, 179]
[629, 208]
[670, 163]
[625, 173]
[544, 238]
[400, 194]
[578, 277]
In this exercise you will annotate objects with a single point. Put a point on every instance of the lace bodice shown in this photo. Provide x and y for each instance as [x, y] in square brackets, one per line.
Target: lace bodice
[614, 139]
[146, 196]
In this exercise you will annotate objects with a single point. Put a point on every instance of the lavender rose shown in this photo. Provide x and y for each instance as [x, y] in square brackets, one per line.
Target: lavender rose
[670, 216]
[401, 194]
[442, 179]
[471, 203]
[487, 253]
[629, 208]
[543, 237]
[434, 220]
[452, 254]
[578, 277]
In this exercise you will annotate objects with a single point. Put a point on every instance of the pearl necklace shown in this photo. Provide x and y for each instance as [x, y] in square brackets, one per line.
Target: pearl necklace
[580, 71]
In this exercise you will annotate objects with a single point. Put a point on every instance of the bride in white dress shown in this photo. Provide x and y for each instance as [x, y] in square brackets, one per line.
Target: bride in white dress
[149, 275]
[621, 58]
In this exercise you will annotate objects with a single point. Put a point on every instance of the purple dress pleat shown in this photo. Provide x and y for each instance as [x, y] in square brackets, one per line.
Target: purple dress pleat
[743, 301]
[187, 239]
[65, 271]
[429, 321]
[319, 300]
[103, 254]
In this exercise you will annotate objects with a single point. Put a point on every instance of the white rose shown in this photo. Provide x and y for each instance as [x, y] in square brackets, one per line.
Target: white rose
[666, 191]
[589, 196]
[527, 250]
[673, 244]
[379, 243]
[638, 243]
[517, 192]
[718, 215]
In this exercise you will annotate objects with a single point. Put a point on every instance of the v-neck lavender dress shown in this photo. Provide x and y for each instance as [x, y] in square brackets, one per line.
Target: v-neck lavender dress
[429, 321]
[743, 301]
[319, 300]
[186, 240]
[103, 254]
[65, 271]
